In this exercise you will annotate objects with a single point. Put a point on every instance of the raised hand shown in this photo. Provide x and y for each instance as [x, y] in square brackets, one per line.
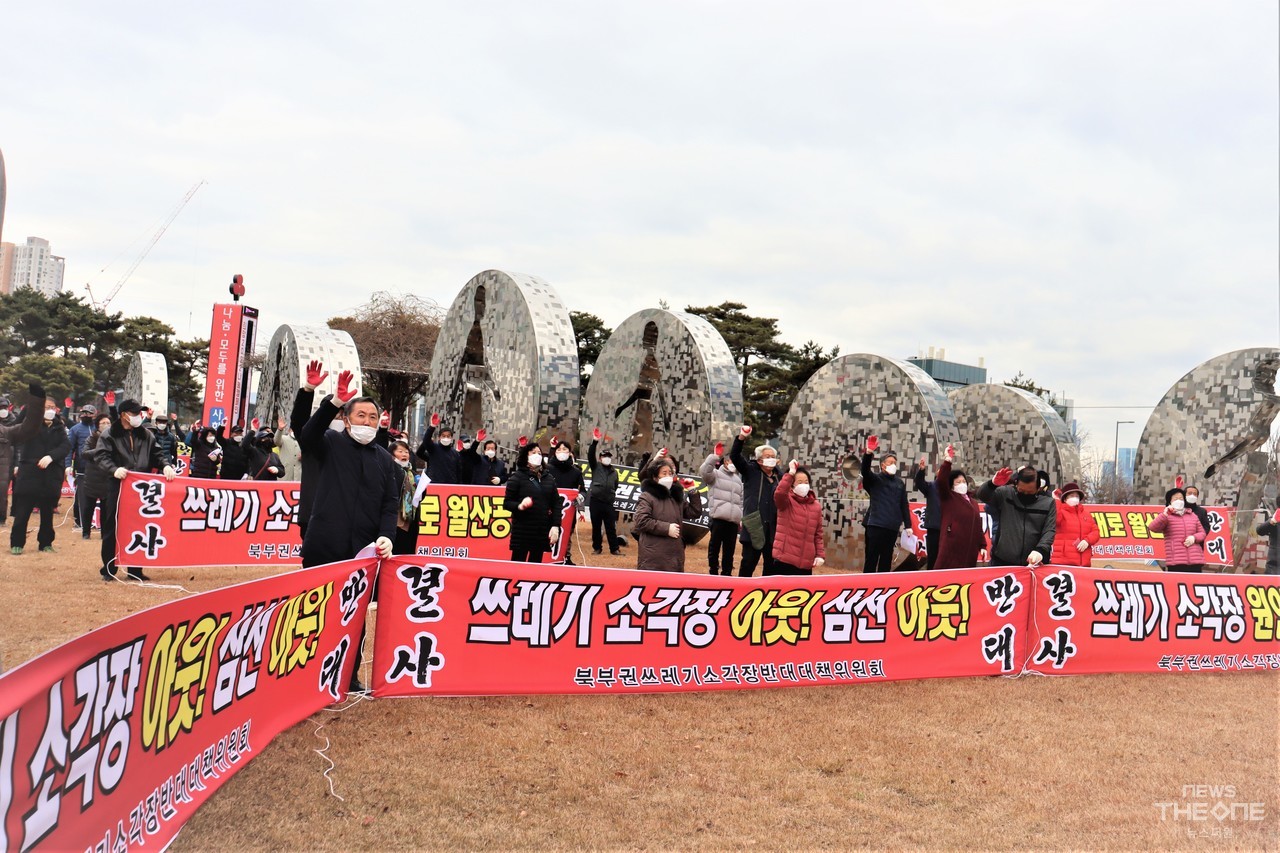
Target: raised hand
[316, 374]
[435, 419]
[745, 432]
[688, 482]
[385, 420]
[951, 453]
[792, 466]
[923, 463]
[718, 450]
[346, 391]
[256, 423]
[1003, 476]
[68, 402]
[595, 434]
[109, 398]
[1178, 481]
[873, 443]
[523, 440]
[481, 434]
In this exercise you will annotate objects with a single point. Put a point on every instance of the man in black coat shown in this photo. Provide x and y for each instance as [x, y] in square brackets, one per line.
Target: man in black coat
[234, 462]
[888, 511]
[759, 480]
[444, 462]
[38, 484]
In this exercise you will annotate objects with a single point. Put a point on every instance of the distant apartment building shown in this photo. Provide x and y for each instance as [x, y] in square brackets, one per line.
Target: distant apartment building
[949, 374]
[33, 265]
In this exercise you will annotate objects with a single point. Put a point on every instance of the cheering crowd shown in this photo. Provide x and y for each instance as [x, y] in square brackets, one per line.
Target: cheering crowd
[361, 483]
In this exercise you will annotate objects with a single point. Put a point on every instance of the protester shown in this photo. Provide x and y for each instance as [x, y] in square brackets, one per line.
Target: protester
[798, 548]
[1183, 534]
[235, 465]
[932, 511]
[288, 451]
[724, 491]
[205, 453]
[9, 419]
[309, 467]
[1028, 518]
[888, 511]
[97, 482]
[73, 465]
[960, 537]
[604, 486]
[14, 435]
[406, 538]
[534, 503]
[759, 513]
[1076, 530]
[662, 506]
[487, 469]
[1193, 504]
[565, 471]
[441, 456]
[167, 439]
[259, 447]
[1270, 528]
[38, 483]
[126, 446]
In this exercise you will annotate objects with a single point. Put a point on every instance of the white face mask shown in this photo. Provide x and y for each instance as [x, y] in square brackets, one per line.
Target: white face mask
[1192, 499]
[891, 469]
[666, 482]
[563, 456]
[801, 490]
[606, 461]
[535, 460]
[445, 442]
[729, 467]
[1178, 506]
[135, 421]
[1073, 500]
[337, 424]
[50, 414]
[491, 453]
[769, 461]
[961, 488]
[403, 463]
[211, 440]
[362, 434]
[4, 413]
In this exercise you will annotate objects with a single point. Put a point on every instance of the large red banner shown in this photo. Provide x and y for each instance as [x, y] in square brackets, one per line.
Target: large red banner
[1125, 534]
[193, 522]
[111, 741]
[223, 372]
[467, 627]
[1107, 620]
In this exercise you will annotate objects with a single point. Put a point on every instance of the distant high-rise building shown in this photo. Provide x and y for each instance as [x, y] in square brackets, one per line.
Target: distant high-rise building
[6, 267]
[2, 194]
[949, 374]
[1127, 455]
[35, 266]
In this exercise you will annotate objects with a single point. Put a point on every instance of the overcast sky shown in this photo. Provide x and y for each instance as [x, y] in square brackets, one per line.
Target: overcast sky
[1086, 192]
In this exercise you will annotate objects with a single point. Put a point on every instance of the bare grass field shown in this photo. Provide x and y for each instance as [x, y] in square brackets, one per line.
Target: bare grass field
[994, 763]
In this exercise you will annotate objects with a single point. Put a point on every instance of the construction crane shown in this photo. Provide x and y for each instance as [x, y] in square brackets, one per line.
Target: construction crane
[155, 238]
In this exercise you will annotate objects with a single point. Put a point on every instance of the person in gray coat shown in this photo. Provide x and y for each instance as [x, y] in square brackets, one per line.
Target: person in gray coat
[724, 491]
[1028, 517]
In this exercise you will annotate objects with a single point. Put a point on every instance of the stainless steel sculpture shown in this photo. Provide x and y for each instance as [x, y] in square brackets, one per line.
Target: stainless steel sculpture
[148, 382]
[1001, 425]
[285, 368]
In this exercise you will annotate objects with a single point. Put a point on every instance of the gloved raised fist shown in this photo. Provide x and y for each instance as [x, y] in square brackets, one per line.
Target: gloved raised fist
[481, 434]
[1003, 476]
[435, 419]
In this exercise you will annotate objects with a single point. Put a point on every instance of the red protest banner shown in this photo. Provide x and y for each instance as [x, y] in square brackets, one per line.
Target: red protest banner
[193, 522]
[1108, 620]
[473, 627]
[114, 739]
[1124, 531]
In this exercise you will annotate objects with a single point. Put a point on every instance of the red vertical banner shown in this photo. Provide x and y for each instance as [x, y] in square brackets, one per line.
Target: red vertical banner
[223, 371]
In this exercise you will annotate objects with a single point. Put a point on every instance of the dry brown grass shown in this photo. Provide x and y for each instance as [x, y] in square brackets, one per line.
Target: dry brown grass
[1047, 763]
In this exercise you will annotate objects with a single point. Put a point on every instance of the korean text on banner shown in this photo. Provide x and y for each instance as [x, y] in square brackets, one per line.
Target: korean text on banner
[113, 740]
[472, 627]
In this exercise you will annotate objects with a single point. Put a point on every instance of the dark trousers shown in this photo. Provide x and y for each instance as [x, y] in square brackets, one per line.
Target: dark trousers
[722, 547]
[880, 543]
[603, 518]
[781, 568]
[108, 522]
[406, 541]
[527, 555]
[47, 505]
[84, 504]
[751, 557]
[931, 538]
[1183, 568]
[6, 475]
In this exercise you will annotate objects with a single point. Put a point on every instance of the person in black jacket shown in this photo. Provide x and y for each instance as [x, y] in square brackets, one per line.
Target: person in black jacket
[444, 462]
[309, 468]
[1192, 495]
[604, 487]
[565, 471]
[14, 433]
[889, 509]
[38, 485]
[534, 504]
[167, 439]
[96, 482]
[932, 512]
[487, 469]
[1270, 528]
[127, 446]
[234, 463]
[759, 480]
[259, 448]
[205, 453]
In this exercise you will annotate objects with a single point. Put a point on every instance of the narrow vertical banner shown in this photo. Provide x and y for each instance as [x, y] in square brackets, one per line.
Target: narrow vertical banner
[113, 740]
[1104, 620]
[223, 371]
[248, 339]
[477, 627]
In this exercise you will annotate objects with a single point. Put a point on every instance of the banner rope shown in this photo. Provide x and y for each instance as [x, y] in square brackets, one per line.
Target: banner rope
[353, 700]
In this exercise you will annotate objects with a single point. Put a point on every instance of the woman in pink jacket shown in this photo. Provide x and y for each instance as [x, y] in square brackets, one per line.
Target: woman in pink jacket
[1076, 533]
[797, 546]
[1183, 534]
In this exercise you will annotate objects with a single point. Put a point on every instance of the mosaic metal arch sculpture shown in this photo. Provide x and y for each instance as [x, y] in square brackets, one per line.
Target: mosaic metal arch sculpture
[664, 379]
[1001, 425]
[148, 382]
[1209, 428]
[852, 397]
[506, 360]
[291, 348]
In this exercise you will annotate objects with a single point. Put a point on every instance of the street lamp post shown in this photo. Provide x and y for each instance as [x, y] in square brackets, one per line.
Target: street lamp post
[1115, 470]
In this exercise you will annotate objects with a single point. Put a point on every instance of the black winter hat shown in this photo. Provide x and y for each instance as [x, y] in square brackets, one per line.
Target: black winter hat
[130, 407]
[1168, 496]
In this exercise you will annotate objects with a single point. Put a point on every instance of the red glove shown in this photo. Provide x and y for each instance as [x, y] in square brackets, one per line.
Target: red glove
[316, 373]
[257, 424]
[1002, 476]
[662, 452]
[688, 482]
[595, 433]
[873, 442]
[554, 441]
[385, 420]
[1275, 518]
[719, 448]
[109, 398]
[68, 402]
[458, 445]
[435, 419]
[1177, 482]
[1057, 494]
[745, 431]
[480, 434]
[951, 452]
[151, 412]
[523, 441]
[345, 393]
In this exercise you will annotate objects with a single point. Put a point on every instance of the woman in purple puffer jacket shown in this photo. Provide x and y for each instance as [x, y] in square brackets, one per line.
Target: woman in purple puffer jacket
[1183, 534]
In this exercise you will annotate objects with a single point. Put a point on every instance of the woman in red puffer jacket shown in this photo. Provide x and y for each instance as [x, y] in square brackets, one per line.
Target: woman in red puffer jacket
[797, 546]
[1077, 530]
[1183, 534]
